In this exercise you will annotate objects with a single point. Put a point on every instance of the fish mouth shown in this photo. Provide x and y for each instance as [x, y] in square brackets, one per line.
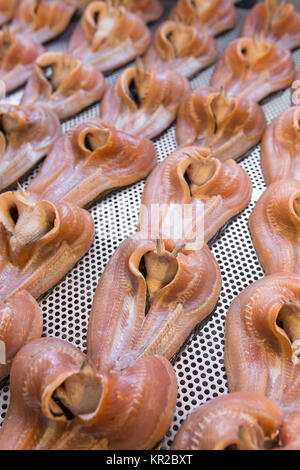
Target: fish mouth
[78, 395]
[288, 323]
[26, 222]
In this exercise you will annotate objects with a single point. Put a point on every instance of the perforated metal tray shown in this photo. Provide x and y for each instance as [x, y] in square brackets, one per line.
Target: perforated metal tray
[199, 366]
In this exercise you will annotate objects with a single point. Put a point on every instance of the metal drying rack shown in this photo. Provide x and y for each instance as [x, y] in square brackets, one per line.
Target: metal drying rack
[199, 365]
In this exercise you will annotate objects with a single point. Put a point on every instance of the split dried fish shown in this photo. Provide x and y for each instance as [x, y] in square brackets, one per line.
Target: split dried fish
[262, 341]
[216, 190]
[59, 401]
[65, 85]
[149, 298]
[228, 126]
[148, 10]
[216, 15]
[40, 242]
[42, 20]
[108, 36]
[90, 159]
[280, 147]
[17, 57]
[295, 95]
[143, 102]
[274, 225]
[20, 322]
[278, 21]
[237, 421]
[184, 49]
[253, 68]
[26, 135]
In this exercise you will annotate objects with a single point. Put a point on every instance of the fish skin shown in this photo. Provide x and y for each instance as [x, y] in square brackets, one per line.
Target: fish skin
[217, 16]
[253, 68]
[229, 126]
[112, 407]
[27, 135]
[184, 49]
[115, 159]
[261, 340]
[40, 242]
[116, 38]
[161, 94]
[278, 21]
[73, 86]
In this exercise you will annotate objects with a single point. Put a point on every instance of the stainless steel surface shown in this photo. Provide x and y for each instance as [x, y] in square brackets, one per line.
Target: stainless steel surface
[199, 366]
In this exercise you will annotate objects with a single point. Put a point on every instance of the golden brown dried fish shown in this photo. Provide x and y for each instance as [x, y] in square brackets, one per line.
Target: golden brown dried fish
[108, 36]
[7, 10]
[39, 242]
[280, 147]
[181, 48]
[279, 22]
[228, 126]
[59, 401]
[20, 322]
[237, 421]
[216, 15]
[275, 224]
[143, 102]
[26, 135]
[92, 158]
[70, 88]
[253, 68]
[17, 57]
[149, 298]
[262, 340]
[216, 190]
[42, 20]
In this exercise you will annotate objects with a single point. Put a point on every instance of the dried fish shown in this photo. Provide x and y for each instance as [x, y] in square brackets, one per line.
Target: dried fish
[274, 225]
[280, 147]
[42, 20]
[262, 341]
[26, 135]
[59, 401]
[228, 126]
[253, 68]
[184, 49]
[108, 36]
[20, 322]
[237, 421]
[148, 10]
[65, 85]
[149, 298]
[296, 90]
[216, 15]
[17, 57]
[216, 191]
[39, 242]
[278, 21]
[143, 102]
[90, 159]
